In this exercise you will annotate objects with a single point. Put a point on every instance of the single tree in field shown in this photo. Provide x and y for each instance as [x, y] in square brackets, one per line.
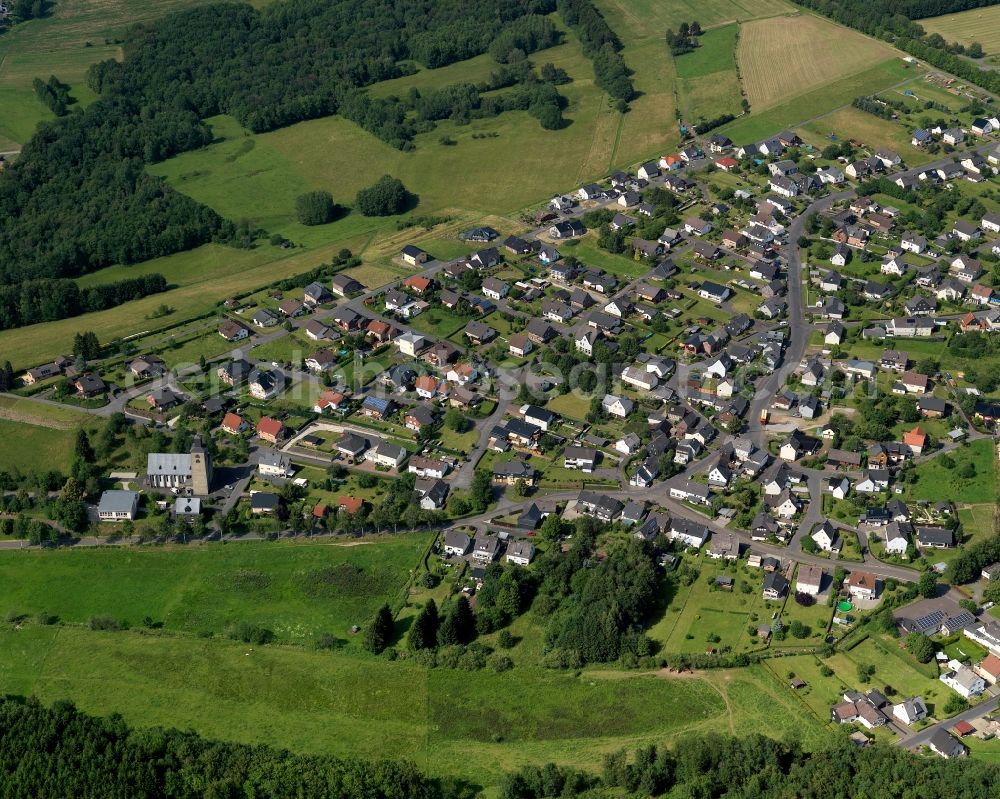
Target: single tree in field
[83, 450]
[423, 633]
[379, 632]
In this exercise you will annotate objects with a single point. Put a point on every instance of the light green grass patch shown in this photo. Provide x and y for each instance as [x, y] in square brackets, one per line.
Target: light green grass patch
[471, 724]
[572, 405]
[936, 483]
[707, 81]
[805, 107]
[296, 590]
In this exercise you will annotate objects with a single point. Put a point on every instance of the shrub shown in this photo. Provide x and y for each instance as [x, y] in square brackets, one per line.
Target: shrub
[107, 623]
[500, 663]
[250, 633]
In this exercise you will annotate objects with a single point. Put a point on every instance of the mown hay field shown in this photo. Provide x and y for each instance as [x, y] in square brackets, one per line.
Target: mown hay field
[651, 18]
[787, 56]
[975, 25]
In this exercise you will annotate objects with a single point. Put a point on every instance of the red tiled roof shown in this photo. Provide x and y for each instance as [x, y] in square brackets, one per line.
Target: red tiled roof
[351, 504]
[269, 426]
[232, 421]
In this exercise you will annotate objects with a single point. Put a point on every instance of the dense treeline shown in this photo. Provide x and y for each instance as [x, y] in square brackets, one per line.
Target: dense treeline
[875, 106]
[523, 36]
[716, 122]
[462, 102]
[79, 198]
[302, 59]
[60, 751]
[756, 767]
[685, 40]
[53, 93]
[971, 561]
[23, 10]
[601, 46]
[32, 301]
[594, 605]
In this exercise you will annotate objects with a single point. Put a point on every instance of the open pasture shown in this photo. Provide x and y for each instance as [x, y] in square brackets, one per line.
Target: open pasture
[471, 724]
[298, 591]
[707, 82]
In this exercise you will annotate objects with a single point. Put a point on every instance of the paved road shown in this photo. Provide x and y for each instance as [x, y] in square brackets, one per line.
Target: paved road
[913, 740]
[798, 328]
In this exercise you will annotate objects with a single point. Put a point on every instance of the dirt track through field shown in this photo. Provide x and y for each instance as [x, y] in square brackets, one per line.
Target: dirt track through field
[11, 415]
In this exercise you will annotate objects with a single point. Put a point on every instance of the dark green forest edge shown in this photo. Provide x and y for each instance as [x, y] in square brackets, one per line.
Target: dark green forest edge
[61, 752]
[79, 198]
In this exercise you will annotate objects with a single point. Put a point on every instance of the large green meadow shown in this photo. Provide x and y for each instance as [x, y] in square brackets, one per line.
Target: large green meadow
[474, 725]
[299, 591]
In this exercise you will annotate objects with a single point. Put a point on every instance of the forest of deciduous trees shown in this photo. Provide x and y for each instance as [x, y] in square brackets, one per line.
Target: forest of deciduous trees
[32, 301]
[60, 751]
[601, 46]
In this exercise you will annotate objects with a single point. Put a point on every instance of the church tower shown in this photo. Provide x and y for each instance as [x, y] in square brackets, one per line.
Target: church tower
[201, 469]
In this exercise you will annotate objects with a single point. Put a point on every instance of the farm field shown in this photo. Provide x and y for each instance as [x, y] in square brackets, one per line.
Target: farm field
[811, 51]
[707, 83]
[804, 107]
[36, 436]
[975, 25]
[298, 591]
[644, 18]
[471, 724]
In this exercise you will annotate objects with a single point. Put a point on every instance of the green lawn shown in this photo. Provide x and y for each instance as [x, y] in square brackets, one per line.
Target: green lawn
[936, 483]
[572, 405]
[440, 321]
[37, 436]
[708, 84]
[704, 612]
[210, 345]
[297, 590]
[30, 447]
[619, 265]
